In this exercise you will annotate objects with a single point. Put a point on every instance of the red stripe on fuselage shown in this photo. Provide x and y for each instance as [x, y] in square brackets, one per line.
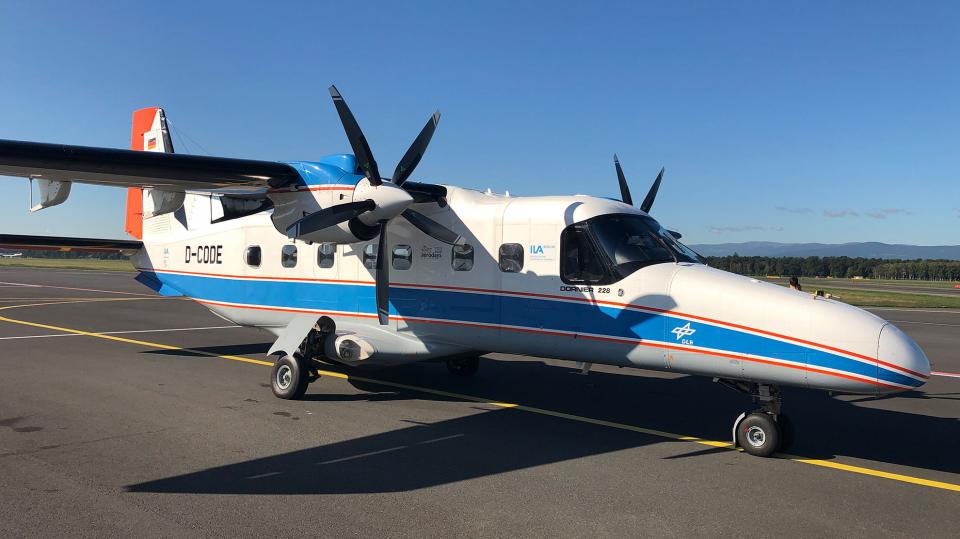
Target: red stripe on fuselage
[566, 298]
[565, 334]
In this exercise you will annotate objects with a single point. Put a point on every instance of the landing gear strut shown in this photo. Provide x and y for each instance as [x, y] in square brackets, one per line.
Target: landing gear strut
[463, 366]
[764, 431]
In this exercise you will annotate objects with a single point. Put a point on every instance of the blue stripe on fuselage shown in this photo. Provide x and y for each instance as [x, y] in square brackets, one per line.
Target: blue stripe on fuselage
[528, 312]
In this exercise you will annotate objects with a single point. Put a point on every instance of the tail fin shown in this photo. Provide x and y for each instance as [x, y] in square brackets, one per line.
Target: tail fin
[149, 134]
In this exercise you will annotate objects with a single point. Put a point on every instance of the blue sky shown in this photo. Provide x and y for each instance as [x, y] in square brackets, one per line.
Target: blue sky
[820, 122]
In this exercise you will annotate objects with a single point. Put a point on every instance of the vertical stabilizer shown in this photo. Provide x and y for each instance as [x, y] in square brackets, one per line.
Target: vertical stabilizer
[149, 134]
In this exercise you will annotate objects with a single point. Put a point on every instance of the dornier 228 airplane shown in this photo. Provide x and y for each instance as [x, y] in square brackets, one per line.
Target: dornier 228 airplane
[347, 266]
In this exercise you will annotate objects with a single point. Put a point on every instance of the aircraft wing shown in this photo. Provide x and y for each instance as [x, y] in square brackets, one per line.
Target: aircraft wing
[127, 168]
[54, 243]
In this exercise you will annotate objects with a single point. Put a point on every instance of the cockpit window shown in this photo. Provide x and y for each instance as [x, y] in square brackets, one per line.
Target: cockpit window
[609, 247]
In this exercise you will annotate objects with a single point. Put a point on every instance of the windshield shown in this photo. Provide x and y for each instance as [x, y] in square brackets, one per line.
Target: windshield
[630, 242]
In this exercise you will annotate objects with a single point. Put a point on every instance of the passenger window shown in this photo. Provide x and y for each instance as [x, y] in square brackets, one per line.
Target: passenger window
[326, 255]
[580, 263]
[402, 257]
[252, 256]
[462, 257]
[511, 257]
[288, 256]
[370, 256]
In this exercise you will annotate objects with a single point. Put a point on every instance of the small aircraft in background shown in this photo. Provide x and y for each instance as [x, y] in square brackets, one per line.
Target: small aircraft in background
[347, 266]
[10, 255]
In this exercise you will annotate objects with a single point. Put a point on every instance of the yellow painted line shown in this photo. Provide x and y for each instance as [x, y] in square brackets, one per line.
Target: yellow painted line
[65, 299]
[521, 407]
[875, 473]
[133, 341]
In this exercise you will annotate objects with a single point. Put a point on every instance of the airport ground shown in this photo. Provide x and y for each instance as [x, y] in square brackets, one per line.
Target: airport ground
[126, 414]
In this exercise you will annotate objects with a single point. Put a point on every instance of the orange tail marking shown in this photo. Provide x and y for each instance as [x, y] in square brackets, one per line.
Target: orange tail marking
[142, 122]
[134, 225]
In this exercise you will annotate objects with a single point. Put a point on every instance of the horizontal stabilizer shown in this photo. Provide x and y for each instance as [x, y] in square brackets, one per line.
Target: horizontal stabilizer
[55, 243]
[151, 281]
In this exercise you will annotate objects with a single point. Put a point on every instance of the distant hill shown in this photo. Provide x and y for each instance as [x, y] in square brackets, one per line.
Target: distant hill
[868, 249]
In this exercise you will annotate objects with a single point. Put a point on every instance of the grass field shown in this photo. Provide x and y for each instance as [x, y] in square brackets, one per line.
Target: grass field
[827, 281]
[67, 263]
[871, 298]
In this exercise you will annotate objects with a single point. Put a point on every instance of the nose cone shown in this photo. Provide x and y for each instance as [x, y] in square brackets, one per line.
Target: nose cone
[897, 353]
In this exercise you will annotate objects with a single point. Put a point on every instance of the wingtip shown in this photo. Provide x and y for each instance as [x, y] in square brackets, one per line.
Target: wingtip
[334, 93]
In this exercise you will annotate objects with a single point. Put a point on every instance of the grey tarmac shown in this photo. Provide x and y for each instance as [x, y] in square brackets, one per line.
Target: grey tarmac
[106, 437]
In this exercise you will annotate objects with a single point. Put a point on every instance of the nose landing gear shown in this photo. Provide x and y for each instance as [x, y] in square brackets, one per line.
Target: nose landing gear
[764, 431]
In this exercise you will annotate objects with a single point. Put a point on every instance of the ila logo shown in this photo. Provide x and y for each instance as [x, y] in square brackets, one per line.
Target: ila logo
[536, 249]
[683, 331]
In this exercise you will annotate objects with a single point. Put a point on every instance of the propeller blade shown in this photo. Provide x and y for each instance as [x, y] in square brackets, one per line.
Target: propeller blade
[415, 152]
[648, 202]
[327, 217]
[383, 278]
[624, 188]
[432, 228]
[361, 150]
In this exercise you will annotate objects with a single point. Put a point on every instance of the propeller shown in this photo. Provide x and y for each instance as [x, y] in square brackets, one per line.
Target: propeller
[327, 217]
[383, 277]
[432, 228]
[415, 153]
[625, 189]
[652, 193]
[382, 198]
[361, 150]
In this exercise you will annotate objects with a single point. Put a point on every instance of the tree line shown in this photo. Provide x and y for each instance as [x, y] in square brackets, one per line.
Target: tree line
[839, 266]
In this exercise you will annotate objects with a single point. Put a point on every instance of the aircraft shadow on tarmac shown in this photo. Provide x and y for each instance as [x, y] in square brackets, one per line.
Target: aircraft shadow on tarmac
[494, 441]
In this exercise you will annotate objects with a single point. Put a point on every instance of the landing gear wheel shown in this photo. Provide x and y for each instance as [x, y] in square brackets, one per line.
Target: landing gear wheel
[463, 366]
[289, 377]
[758, 434]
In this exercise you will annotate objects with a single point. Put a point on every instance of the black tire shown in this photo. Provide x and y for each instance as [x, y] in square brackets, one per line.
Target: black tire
[758, 434]
[463, 366]
[787, 432]
[289, 377]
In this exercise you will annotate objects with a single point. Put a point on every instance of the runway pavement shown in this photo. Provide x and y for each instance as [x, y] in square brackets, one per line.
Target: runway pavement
[126, 414]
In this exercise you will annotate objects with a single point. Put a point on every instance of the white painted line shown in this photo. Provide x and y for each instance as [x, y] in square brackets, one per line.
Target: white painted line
[924, 323]
[947, 374]
[116, 332]
[73, 288]
[937, 311]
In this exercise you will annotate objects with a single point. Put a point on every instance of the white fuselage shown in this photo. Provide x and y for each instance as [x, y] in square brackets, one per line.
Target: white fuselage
[682, 317]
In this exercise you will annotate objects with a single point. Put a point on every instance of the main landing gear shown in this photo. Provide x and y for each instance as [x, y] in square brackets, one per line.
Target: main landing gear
[764, 431]
[290, 377]
[291, 374]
